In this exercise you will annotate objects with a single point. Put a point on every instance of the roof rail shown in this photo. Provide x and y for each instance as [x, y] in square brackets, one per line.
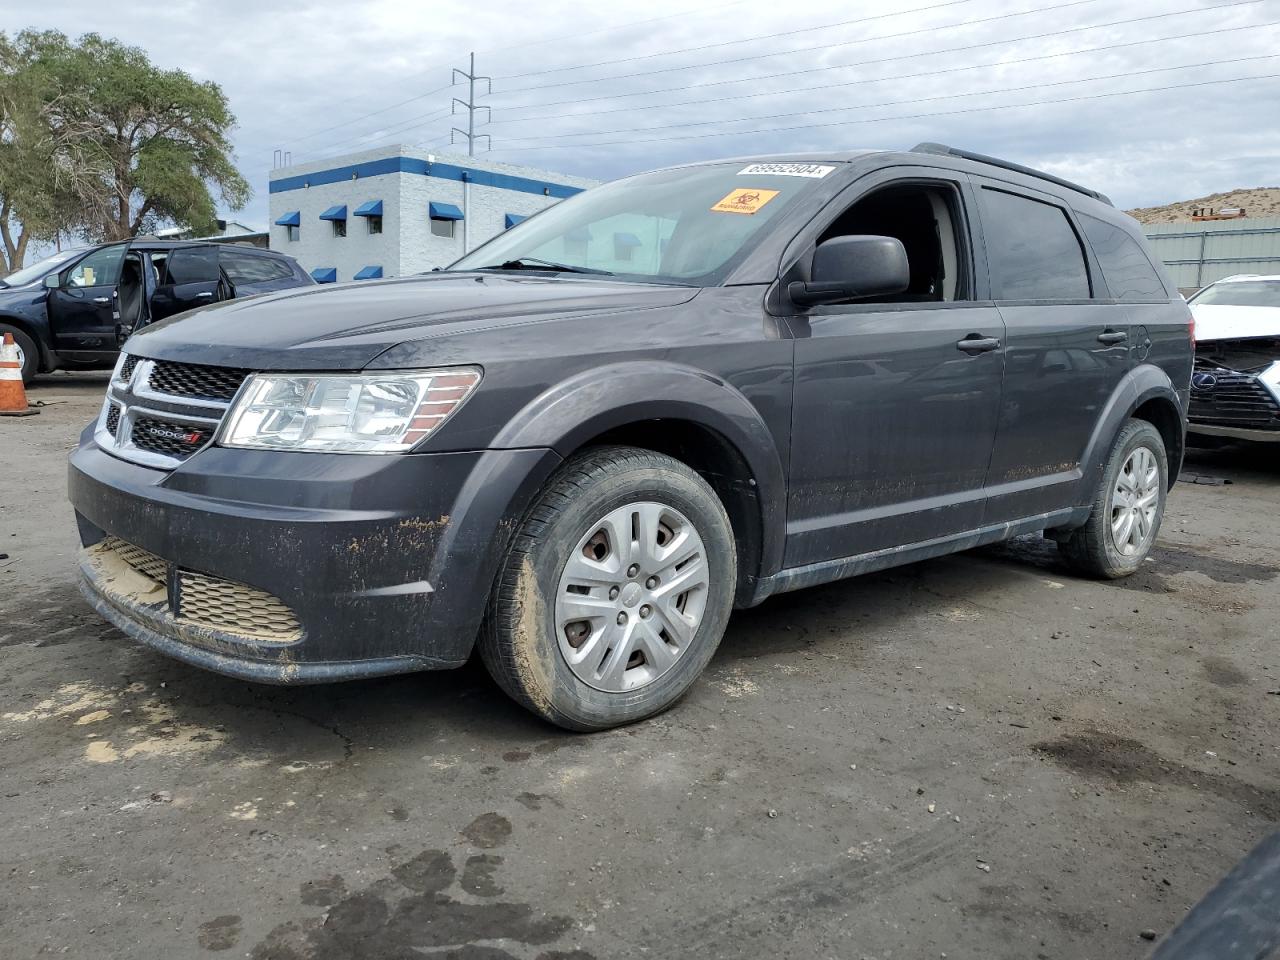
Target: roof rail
[942, 149]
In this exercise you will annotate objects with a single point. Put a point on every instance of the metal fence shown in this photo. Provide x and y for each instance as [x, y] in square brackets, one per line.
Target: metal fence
[1197, 254]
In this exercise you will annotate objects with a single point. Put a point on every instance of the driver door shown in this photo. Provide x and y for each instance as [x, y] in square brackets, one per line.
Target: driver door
[191, 279]
[82, 307]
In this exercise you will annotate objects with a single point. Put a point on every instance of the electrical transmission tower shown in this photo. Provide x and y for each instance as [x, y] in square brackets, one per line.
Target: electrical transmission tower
[471, 107]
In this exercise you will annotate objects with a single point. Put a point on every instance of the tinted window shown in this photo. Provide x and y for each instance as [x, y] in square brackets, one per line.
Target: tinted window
[1032, 250]
[199, 265]
[246, 268]
[1129, 273]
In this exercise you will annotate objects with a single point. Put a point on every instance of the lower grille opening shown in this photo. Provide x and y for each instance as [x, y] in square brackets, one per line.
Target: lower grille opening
[113, 418]
[234, 608]
[147, 564]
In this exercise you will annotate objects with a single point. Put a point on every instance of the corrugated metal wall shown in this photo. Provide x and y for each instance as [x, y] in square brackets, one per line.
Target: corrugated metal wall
[1197, 254]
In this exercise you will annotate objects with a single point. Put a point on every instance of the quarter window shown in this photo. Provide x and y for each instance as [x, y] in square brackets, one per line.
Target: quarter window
[1032, 249]
[1129, 273]
[247, 268]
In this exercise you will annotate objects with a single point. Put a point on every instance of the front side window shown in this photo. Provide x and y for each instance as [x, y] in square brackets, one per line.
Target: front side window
[688, 225]
[99, 269]
[1240, 293]
[1129, 274]
[1032, 249]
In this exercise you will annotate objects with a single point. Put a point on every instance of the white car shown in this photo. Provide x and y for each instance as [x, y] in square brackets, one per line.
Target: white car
[1235, 387]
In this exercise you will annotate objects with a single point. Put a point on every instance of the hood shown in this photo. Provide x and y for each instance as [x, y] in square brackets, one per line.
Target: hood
[1222, 322]
[345, 326]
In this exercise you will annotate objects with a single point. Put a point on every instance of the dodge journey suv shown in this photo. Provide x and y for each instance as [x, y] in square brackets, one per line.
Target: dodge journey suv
[586, 442]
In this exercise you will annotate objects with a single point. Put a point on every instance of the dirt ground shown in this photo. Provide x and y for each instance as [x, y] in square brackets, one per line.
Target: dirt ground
[973, 757]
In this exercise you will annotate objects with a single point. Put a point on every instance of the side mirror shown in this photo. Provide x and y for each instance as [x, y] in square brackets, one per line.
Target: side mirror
[849, 267]
[52, 282]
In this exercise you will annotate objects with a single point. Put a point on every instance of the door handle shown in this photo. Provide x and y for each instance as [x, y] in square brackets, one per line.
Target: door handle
[206, 293]
[1112, 336]
[101, 299]
[974, 344]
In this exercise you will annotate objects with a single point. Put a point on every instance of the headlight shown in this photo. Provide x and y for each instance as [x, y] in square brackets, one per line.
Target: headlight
[374, 413]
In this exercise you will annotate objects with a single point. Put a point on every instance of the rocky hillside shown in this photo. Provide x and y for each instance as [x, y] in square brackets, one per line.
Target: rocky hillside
[1257, 202]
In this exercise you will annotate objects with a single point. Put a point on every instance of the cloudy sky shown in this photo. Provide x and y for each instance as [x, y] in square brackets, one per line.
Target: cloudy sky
[1148, 100]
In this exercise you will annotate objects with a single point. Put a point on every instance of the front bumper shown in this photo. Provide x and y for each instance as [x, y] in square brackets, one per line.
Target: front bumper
[383, 562]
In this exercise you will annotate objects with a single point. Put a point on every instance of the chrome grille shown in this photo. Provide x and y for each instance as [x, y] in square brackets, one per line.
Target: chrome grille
[234, 608]
[159, 413]
[1233, 400]
[147, 564]
[195, 380]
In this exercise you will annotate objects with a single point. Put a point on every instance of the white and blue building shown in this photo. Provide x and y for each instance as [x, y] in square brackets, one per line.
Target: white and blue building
[397, 211]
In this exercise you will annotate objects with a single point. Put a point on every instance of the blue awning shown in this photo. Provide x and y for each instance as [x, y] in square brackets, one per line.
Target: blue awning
[335, 213]
[578, 234]
[511, 219]
[290, 220]
[626, 240]
[325, 274]
[444, 211]
[369, 273]
[371, 209]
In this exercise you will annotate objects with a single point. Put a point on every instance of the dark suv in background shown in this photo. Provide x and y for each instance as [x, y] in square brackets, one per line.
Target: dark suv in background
[584, 443]
[75, 308]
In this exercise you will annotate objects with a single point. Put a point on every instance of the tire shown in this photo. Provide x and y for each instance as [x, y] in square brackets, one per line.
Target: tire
[594, 672]
[30, 352]
[1095, 550]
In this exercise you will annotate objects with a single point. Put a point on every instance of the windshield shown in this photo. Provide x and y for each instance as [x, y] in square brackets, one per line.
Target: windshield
[687, 226]
[1240, 293]
[38, 270]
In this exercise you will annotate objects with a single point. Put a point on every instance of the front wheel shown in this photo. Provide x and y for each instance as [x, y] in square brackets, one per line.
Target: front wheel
[615, 593]
[1128, 506]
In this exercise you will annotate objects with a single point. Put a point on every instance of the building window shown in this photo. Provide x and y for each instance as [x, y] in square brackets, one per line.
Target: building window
[339, 228]
[374, 224]
[292, 233]
[440, 227]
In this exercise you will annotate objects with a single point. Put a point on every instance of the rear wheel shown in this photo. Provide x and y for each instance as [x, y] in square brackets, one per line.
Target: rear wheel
[1127, 507]
[28, 353]
[615, 593]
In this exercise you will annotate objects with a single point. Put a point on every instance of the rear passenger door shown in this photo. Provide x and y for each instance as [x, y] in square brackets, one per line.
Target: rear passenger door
[192, 279]
[1066, 349]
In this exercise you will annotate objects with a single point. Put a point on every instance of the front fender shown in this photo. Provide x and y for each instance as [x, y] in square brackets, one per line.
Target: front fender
[1143, 383]
[571, 413]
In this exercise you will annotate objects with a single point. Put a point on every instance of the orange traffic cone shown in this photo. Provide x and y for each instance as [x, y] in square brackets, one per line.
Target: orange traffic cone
[13, 398]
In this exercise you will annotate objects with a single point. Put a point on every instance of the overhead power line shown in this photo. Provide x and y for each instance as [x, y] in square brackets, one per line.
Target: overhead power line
[932, 72]
[897, 103]
[919, 31]
[734, 43]
[859, 63]
[908, 116]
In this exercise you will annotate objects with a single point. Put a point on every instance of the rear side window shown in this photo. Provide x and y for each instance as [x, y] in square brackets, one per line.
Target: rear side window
[198, 265]
[1032, 249]
[1129, 273]
[246, 268]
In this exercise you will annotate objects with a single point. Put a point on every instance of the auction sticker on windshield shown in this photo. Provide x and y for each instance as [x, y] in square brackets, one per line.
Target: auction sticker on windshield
[744, 200]
[816, 170]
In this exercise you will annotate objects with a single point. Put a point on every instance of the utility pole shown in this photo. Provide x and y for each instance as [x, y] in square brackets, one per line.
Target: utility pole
[471, 107]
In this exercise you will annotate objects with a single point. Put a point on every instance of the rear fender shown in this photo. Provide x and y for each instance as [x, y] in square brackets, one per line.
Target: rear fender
[1140, 385]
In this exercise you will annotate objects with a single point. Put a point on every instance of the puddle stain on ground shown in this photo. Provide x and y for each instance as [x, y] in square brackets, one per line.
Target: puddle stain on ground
[488, 830]
[1223, 673]
[401, 916]
[1124, 761]
[220, 933]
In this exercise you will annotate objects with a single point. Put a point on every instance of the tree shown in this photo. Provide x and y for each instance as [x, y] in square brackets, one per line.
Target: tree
[96, 140]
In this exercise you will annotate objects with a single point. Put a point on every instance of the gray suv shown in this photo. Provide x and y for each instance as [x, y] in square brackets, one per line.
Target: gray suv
[582, 445]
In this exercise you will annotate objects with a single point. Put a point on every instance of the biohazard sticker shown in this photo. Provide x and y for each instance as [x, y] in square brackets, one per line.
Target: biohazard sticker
[814, 170]
[744, 200]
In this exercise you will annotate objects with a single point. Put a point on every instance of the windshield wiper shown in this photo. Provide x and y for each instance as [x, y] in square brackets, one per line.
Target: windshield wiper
[533, 263]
